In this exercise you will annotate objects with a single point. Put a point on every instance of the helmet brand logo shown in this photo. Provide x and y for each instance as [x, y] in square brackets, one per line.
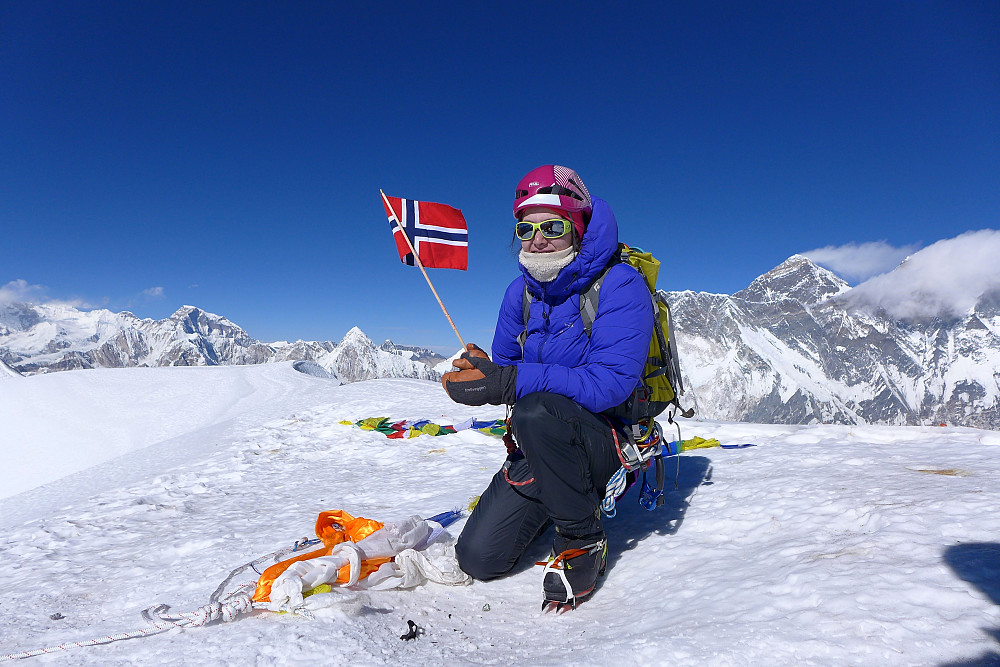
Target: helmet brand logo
[532, 184]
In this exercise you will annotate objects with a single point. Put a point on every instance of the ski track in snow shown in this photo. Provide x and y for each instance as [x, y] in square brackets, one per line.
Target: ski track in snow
[821, 545]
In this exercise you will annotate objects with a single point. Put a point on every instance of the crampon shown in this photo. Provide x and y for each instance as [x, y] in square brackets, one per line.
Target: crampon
[571, 572]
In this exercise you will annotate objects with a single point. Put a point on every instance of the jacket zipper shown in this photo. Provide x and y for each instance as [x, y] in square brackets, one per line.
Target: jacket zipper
[545, 326]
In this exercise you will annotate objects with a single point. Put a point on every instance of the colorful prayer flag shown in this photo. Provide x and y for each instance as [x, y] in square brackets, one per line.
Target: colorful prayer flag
[437, 231]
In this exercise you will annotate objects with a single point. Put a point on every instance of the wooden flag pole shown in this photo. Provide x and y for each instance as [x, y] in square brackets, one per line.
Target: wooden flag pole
[416, 258]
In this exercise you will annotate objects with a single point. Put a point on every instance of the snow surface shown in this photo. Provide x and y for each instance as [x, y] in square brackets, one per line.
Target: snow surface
[822, 545]
[55, 424]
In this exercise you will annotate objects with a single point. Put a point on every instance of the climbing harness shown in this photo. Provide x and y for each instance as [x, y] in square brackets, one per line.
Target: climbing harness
[643, 447]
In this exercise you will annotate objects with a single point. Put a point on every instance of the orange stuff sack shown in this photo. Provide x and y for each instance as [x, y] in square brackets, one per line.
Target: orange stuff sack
[332, 527]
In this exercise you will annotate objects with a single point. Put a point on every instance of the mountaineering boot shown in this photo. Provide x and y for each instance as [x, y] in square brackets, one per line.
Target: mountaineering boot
[572, 570]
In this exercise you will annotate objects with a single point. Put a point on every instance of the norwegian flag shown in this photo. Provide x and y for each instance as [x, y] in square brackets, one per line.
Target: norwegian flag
[437, 231]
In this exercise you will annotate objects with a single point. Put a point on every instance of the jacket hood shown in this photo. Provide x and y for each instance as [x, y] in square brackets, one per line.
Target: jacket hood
[598, 246]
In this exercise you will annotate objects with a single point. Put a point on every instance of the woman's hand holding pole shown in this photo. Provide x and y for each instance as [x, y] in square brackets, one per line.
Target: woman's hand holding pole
[479, 381]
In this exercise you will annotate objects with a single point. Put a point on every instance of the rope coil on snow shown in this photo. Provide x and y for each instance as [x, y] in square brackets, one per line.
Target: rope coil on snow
[236, 603]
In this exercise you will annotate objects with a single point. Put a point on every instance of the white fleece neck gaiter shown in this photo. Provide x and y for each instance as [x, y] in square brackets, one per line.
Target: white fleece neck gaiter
[545, 266]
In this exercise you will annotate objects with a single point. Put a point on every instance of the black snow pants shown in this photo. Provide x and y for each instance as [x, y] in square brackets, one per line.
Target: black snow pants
[570, 454]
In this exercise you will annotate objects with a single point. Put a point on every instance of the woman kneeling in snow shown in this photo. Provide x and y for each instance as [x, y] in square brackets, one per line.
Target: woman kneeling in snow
[559, 378]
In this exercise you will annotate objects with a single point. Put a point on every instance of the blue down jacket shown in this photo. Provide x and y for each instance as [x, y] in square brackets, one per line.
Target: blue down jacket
[599, 372]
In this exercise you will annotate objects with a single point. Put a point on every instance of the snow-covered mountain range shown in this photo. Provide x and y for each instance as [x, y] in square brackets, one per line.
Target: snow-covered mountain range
[797, 346]
[36, 338]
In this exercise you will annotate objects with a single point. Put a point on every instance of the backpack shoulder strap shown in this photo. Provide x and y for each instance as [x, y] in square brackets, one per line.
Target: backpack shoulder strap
[588, 300]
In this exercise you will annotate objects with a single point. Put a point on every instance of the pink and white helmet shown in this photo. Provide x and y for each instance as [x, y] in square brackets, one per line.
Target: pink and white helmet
[558, 188]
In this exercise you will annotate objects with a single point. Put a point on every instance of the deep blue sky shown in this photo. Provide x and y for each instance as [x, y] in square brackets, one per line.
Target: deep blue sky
[229, 155]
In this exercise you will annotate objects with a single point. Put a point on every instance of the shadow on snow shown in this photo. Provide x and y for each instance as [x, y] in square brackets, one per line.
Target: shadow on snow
[632, 523]
[979, 564]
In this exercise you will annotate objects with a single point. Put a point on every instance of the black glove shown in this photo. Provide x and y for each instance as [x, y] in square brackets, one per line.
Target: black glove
[498, 386]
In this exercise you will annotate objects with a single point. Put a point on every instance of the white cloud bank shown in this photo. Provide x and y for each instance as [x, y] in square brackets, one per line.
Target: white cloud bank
[860, 261]
[21, 291]
[17, 291]
[944, 279]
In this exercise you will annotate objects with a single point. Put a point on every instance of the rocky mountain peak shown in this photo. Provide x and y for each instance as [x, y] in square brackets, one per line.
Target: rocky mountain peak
[356, 337]
[989, 303]
[194, 320]
[17, 317]
[357, 358]
[413, 352]
[797, 278]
